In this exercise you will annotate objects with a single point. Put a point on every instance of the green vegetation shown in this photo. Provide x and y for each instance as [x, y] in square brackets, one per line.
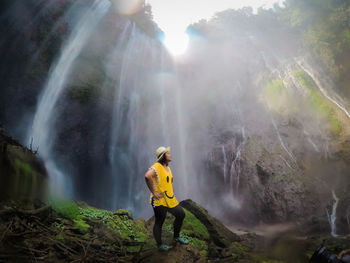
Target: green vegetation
[324, 25]
[119, 222]
[192, 229]
[71, 211]
[24, 168]
[318, 102]
[276, 95]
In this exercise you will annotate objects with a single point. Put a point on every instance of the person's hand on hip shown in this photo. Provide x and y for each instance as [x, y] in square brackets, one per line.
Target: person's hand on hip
[157, 195]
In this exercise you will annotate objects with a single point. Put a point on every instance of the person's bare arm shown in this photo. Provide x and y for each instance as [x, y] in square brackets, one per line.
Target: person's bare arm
[149, 181]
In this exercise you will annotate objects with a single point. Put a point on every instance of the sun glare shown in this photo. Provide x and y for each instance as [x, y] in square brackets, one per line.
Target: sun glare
[176, 43]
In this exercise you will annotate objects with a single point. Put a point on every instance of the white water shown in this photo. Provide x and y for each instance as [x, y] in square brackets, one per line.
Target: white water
[225, 162]
[311, 141]
[333, 216]
[281, 141]
[284, 160]
[312, 74]
[42, 131]
[119, 92]
[235, 170]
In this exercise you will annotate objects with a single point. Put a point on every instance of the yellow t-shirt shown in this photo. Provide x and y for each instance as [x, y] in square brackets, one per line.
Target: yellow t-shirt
[163, 183]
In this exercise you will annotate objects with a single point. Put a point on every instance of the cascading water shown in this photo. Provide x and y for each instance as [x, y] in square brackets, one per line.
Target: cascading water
[42, 132]
[308, 69]
[281, 141]
[225, 162]
[333, 216]
[142, 118]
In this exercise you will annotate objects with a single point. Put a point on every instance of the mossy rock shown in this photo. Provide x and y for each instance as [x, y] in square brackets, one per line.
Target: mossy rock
[22, 175]
[123, 212]
[319, 103]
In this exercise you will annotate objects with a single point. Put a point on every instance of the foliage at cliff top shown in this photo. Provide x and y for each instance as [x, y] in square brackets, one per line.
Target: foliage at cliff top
[324, 25]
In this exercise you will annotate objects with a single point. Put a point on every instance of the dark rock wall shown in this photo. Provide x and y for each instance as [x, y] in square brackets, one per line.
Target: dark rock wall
[22, 175]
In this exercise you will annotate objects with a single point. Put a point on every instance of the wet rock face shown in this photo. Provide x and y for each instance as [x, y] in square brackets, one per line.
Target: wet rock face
[22, 175]
[268, 188]
[271, 188]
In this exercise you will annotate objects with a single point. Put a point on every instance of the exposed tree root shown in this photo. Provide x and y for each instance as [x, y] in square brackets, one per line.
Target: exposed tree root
[41, 235]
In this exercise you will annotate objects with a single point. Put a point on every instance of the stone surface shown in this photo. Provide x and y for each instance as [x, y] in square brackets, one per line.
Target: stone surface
[220, 235]
[22, 174]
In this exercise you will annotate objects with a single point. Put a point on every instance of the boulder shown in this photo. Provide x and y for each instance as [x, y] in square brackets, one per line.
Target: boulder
[219, 234]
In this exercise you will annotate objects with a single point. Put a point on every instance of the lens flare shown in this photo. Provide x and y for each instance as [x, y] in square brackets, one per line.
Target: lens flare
[127, 7]
[176, 43]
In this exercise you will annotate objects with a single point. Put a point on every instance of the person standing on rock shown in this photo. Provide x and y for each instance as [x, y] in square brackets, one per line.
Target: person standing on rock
[159, 180]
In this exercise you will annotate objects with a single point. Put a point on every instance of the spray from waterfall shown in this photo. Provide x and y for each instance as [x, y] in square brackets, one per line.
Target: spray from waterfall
[225, 162]
[42, 131]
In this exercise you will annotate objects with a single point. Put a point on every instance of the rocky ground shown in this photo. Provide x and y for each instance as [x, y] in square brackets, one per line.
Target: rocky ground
[36, 227]
[66, 231]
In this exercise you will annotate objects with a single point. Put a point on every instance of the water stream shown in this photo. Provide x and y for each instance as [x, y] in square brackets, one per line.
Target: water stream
[332, 218]
[42, 132]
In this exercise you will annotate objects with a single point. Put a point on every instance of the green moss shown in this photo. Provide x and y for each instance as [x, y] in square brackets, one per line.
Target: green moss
[318, 102]
[81, 225]
[133, 249]
[60, 236]
[71, 211]
[127, 229]
[24, 168]
[122, 225]
[276, 95]
[239, 247]
[68, 209]
[94, 213]
[202, 245]
[123, 212]
[193, 227]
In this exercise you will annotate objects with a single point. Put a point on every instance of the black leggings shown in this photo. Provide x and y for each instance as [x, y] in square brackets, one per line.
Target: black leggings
[160, 214]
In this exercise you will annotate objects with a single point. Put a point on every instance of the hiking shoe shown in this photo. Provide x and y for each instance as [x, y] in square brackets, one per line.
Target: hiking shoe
[181, 240]
[164, 247]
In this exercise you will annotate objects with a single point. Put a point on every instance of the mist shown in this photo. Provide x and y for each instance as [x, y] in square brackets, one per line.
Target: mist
[258, 126]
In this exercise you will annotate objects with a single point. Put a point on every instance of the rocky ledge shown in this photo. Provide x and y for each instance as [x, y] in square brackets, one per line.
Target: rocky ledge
[35, 227]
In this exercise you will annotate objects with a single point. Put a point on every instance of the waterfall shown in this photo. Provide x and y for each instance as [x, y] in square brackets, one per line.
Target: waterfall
[118, 96]
[42, 131]
[283, 159]
[281, 141]
[143, 117]
[310, 141]
[309, 71]
[333, 216]
[235, 170]
[225, 161]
